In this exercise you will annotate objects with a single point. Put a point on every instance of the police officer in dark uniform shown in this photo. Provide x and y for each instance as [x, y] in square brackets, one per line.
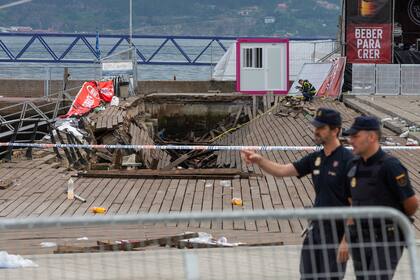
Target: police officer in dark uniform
[376, 178]
[328, 170]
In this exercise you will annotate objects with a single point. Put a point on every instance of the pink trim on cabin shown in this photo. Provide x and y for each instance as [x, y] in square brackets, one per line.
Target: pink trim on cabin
[238, 62]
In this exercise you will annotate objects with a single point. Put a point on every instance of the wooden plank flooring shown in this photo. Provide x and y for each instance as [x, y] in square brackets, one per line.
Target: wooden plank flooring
[39, 190]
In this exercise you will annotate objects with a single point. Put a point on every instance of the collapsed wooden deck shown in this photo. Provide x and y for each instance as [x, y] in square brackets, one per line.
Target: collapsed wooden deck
[39, 190]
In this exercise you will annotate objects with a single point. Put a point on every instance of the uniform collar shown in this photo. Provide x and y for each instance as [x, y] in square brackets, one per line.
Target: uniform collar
[375, 157]
[333, 152]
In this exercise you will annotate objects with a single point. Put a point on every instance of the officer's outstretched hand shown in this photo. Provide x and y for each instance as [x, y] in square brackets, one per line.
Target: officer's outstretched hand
[251, 157]
[343, 252]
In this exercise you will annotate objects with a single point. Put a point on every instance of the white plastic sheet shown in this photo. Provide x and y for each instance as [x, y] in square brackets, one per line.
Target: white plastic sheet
[14, 261]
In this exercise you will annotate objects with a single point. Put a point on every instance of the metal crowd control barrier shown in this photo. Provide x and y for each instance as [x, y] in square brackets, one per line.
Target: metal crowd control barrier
[385, 79]
[363, 79]
[219, 260]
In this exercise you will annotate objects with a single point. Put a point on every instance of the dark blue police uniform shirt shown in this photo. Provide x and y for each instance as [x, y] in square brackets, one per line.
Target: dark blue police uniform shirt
[392, 174]
[328, 176]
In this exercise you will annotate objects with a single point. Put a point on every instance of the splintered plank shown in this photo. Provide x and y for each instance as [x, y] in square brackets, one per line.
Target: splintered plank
[124, 245]
[178, 161]
[219, 173]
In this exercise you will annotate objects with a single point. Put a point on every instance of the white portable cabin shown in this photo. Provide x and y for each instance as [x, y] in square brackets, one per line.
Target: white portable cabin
[262, 66]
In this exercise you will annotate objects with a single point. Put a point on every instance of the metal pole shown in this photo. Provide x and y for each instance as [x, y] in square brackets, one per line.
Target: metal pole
[211, 61]
[133, 50]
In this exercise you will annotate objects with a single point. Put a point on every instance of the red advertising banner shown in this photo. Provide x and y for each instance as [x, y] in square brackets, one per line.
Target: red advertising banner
[333, 83]
[106, 90]
[90, 96]
[369, 43]
[369, 31]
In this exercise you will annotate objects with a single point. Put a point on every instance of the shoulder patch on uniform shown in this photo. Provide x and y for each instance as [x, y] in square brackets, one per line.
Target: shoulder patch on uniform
[401, 180]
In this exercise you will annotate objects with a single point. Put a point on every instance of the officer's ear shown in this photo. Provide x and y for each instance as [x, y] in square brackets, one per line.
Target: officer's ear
[374, 136]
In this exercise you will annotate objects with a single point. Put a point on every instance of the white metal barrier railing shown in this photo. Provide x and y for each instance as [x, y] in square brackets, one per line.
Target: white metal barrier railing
[376, 239]
[386, 79]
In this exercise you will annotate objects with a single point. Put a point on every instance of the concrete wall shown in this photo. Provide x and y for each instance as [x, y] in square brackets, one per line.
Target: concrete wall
[32, 88]
[145, 87]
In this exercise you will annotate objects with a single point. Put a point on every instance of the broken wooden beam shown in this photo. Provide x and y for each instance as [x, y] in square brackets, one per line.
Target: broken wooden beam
[178, 161]
[128, 245]
[124, 245]
[217, 173]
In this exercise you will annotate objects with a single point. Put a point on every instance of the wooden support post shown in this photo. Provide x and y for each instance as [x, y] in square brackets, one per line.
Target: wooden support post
[33, 136]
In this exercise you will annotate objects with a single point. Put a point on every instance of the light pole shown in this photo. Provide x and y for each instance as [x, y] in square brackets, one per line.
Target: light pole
[132, 48]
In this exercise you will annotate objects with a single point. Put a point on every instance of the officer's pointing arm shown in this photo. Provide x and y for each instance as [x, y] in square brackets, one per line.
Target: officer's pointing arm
[270, 167]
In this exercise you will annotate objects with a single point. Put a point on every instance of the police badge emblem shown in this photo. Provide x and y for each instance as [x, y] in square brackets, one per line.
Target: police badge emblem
[353, 182]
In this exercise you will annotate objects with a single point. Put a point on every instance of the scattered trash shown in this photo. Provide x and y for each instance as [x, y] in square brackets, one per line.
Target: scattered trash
[70, 126]
[99, 109]
[83, 238]
[225, 184]
[14, 261]
[222, 240]
[414, 128]
[206, 238]
[130, 162]
[115, 101]
[98, 210]
[48, 244]
[208, 185]
[412, 142]
[83, 200]
[404, 134]
[237, 201]
[70, 189]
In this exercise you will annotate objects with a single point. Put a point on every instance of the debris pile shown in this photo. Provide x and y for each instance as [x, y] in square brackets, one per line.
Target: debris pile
[291, 106]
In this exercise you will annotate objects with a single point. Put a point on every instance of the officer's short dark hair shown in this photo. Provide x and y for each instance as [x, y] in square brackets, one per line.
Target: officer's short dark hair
[332, 127]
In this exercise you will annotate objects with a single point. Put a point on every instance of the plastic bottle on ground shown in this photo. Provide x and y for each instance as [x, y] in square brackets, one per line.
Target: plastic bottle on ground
[70, 189]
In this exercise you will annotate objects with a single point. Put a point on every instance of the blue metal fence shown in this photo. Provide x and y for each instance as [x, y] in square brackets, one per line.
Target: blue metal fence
[80, 48]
